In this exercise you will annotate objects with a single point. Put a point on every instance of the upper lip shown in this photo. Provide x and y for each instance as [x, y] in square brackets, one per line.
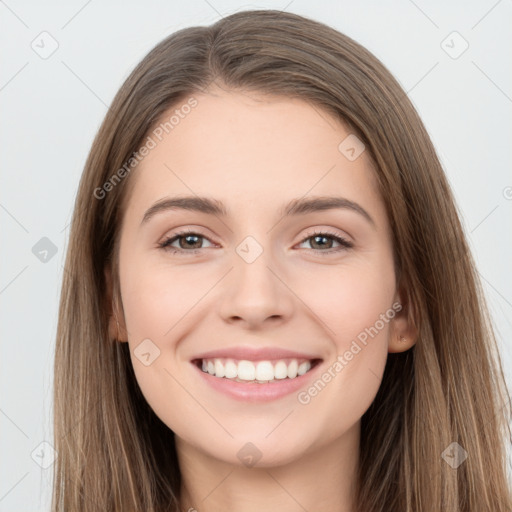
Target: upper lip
[255, 354]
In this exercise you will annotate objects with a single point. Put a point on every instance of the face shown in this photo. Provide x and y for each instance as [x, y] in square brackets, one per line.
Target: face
[254, 286]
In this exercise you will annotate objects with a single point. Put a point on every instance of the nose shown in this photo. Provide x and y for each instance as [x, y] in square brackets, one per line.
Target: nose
[255, 294]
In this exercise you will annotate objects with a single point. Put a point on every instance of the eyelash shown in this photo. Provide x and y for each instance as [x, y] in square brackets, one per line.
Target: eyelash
[165, 244]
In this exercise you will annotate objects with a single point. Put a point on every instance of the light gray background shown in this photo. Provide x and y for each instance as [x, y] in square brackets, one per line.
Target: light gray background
[51, 108]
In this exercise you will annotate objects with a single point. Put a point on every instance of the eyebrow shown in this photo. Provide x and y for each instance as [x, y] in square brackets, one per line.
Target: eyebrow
[211, 206]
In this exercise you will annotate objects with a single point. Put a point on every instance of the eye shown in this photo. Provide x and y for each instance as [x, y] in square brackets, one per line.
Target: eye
[321, 239]
[191, 242]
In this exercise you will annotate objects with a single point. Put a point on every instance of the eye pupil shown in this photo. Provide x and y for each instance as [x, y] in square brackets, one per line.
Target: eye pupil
[316, 238]
[188, 237]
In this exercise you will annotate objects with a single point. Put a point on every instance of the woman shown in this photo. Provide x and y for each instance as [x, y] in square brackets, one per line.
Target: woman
[269, 301]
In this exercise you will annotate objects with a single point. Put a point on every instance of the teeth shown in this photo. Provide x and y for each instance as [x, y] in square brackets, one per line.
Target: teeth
[303, 368]
[230, 369]
[246, 370]
[219, 368]
[292, 369]
[260, 371]
[280, 370]
[264, 370]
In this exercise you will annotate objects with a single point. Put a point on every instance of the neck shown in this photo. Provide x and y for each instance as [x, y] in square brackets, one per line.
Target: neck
[324, 479]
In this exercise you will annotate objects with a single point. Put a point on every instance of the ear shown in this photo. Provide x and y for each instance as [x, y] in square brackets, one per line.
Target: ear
[116, 324]
[403, 331]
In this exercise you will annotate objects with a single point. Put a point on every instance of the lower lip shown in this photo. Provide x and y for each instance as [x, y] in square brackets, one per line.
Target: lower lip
[254, 391]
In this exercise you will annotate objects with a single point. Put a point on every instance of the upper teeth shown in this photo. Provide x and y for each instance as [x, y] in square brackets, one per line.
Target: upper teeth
[262, 371]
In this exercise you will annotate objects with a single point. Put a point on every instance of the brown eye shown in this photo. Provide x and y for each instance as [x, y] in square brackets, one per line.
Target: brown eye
[323, 242]
[188, 241]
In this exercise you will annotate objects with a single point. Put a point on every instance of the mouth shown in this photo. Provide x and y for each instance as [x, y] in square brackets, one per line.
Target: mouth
[256, 372]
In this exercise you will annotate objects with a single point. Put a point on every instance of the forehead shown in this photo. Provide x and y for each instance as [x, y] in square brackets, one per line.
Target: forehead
[249, 150]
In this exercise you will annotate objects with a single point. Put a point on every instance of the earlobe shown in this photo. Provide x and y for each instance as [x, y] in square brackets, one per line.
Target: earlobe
[400, 343]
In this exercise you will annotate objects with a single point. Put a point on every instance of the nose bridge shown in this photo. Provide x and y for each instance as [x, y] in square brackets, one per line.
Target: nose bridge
[252, 273]
[256, 292]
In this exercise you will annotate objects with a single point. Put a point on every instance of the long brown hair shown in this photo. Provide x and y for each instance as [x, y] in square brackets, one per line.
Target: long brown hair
[114, 454]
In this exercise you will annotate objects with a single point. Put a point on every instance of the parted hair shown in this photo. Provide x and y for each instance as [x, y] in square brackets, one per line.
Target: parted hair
[114, 454]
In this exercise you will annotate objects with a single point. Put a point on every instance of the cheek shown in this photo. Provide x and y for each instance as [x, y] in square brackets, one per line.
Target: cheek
[349, 299]
[354, 304]
[158, 303]
[156, 296]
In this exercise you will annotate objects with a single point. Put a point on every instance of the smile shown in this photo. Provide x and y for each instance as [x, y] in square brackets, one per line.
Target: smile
[265, 371]
[256, 381]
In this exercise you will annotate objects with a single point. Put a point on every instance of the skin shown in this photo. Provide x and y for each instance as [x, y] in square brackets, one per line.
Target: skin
[255, 153]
